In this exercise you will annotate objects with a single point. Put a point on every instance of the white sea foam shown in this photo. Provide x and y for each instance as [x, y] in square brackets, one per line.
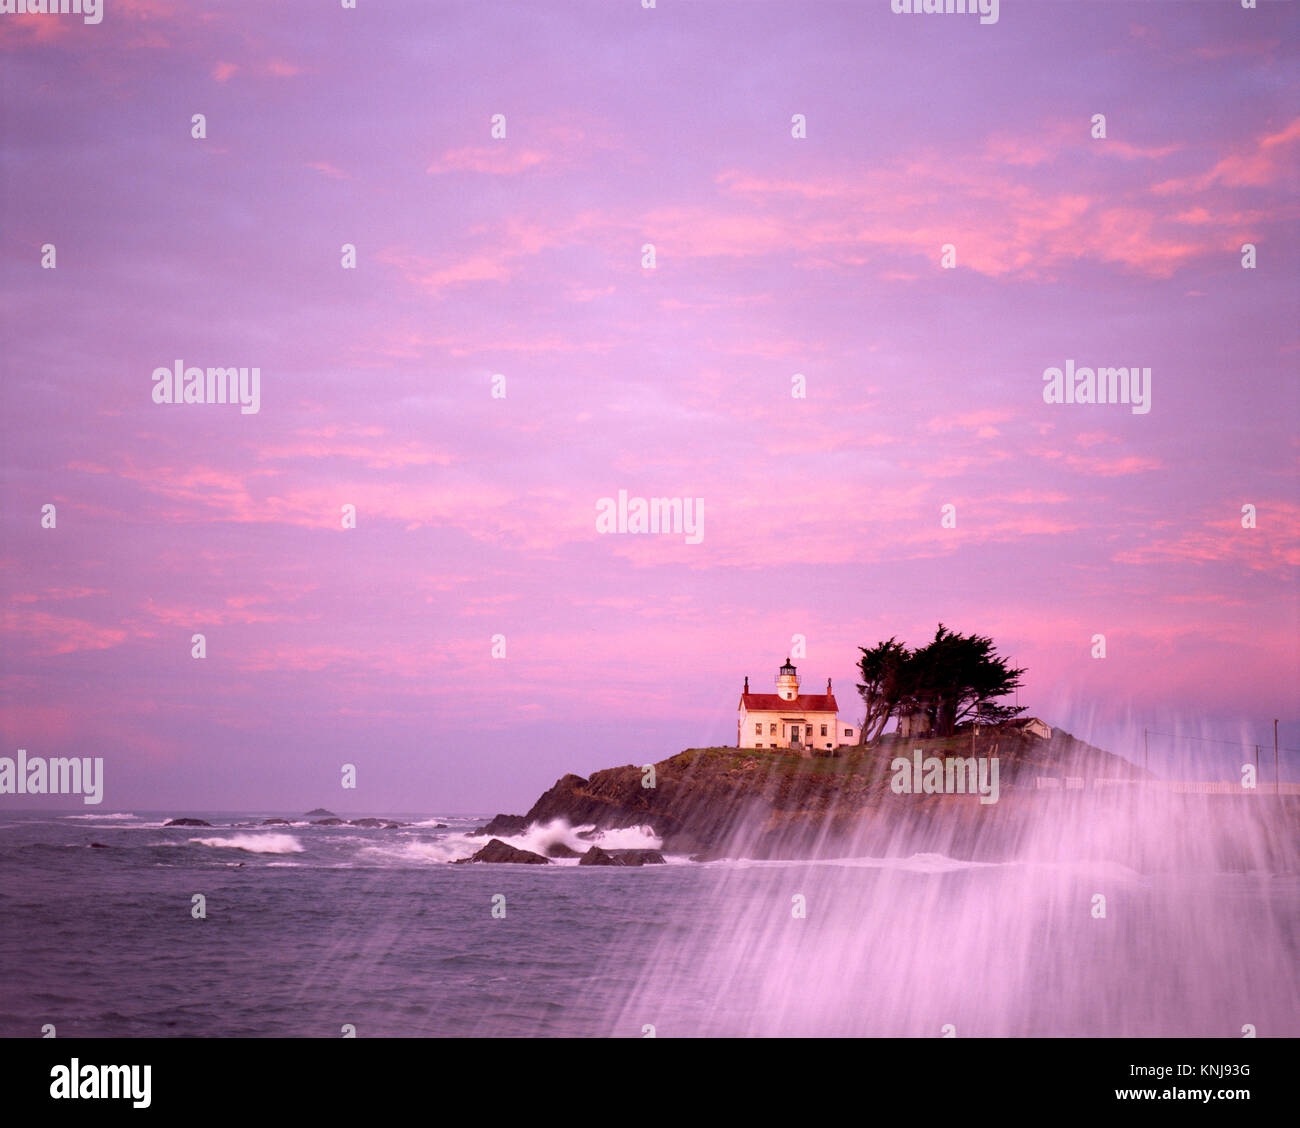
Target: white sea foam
[537, 839]
[255, 843]
[445, 849]
[102, 818]
[625, 838]
[916, 863]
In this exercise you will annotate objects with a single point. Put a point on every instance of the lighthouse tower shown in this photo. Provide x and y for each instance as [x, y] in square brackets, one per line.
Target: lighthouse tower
[787, 682]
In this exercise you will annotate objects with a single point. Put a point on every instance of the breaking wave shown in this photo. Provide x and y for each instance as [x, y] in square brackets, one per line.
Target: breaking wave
[255, 843]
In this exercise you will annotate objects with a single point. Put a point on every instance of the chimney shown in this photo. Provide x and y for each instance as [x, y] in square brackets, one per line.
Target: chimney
[746, 683]
[828, 687]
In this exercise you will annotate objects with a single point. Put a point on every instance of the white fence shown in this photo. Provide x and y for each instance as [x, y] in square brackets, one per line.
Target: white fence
[1181, 787]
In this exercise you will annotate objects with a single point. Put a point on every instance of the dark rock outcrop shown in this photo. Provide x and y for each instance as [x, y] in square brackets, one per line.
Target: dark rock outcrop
[186, 822]
[335, 821]
[560, 850]
[276, 822]
[598, 857]
[503, 824]
[639, 857]
[98, 846]
[714, 803]
[498, 851]
[319, 811]
[368, 824]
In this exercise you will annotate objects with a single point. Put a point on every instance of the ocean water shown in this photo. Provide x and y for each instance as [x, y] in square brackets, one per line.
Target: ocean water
[311, 929]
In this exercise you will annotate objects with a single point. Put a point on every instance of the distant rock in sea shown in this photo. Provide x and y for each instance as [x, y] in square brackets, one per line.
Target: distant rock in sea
[333, 821]
[319, 811]
[368, 824]
[498, 851]
[276, 822]
[186, 822]
[98, 846]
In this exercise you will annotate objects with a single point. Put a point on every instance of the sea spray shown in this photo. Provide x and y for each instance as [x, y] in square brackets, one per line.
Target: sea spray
[1111, 915]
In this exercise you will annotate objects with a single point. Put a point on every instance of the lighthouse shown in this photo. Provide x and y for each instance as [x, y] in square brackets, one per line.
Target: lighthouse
[788, 719]
[787, 682]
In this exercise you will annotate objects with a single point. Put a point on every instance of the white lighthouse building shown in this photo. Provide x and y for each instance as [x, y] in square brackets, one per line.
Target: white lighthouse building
[801, 722]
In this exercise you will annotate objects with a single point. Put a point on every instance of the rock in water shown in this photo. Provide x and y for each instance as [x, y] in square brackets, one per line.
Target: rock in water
[560, 850]
[335, 821]
[640, 857]
[276, 822]
[598, 857]
[186, 822]
[319, 811]
[369, 824]
[98, 846]
[498, 851]
[503, 824]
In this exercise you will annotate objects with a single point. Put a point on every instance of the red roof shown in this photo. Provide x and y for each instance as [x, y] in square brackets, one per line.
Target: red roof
[775, 703]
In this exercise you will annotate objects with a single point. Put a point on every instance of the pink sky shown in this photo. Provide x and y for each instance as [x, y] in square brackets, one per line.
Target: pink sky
[522, 256]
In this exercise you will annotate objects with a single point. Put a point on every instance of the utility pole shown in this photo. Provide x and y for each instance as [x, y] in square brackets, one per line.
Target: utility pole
[1276, 786]
[1257, 768]
[1144, 751]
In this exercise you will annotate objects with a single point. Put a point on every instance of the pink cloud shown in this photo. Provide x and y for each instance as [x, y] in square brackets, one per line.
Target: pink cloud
[57, 634]
[327, 169]
[1267, 161]
[498, 159]
[1274, 546]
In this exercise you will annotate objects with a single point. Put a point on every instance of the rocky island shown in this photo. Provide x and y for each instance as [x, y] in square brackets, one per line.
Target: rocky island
[714, 803]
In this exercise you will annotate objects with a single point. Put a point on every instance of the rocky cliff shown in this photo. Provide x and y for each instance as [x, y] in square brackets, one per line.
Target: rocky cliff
[761, 803]
[769, 803]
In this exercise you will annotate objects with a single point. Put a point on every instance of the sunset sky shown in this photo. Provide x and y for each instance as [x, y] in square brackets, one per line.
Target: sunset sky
[522, 256]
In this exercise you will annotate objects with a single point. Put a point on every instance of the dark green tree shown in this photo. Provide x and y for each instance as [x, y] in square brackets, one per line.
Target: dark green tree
[884, 681]
[953, 678]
